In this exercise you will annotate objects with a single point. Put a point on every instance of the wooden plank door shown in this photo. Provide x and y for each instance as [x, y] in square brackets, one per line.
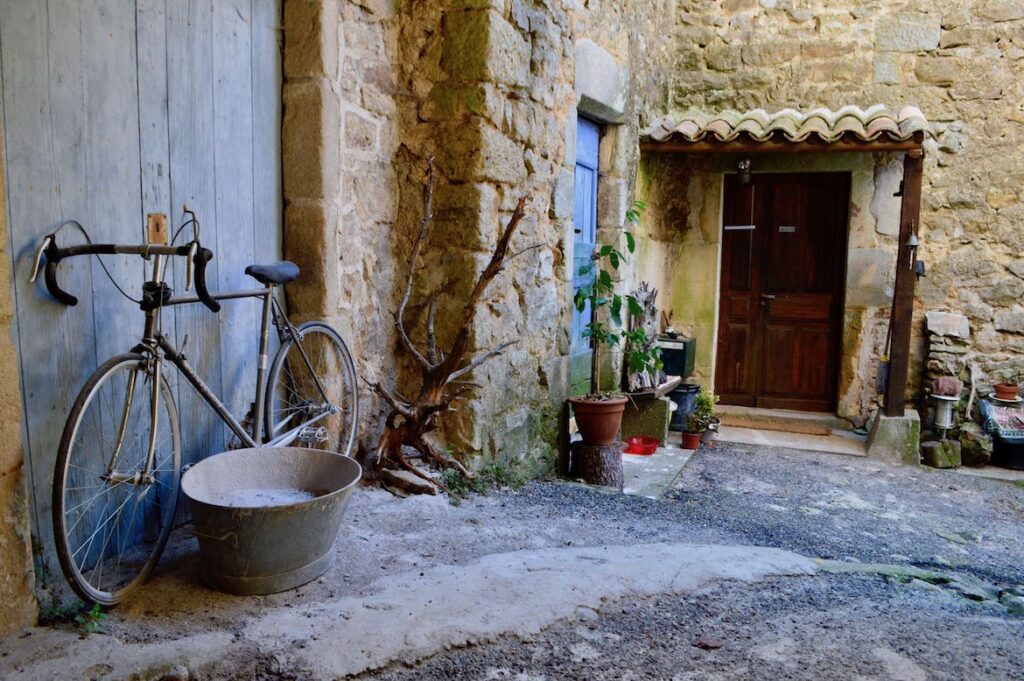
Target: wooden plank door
[113, 109]
[783, 272]
[588, 136]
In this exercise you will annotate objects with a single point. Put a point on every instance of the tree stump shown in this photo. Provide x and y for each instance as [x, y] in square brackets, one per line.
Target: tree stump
[941, 454]
[597, 464]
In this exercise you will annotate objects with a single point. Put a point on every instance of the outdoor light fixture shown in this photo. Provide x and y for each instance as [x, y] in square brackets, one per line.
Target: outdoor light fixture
[743, 170]
[912, 244]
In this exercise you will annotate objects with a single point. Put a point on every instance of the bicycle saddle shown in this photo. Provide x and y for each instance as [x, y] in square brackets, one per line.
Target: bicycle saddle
[275, 273]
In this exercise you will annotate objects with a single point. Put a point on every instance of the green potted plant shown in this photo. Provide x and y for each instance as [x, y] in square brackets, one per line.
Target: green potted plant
[599, 414]
[701, 423]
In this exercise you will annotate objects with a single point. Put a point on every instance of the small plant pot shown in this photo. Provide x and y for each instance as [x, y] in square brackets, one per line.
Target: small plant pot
[708, 435]
[691, 440]
[1006, 391]
[598, 420]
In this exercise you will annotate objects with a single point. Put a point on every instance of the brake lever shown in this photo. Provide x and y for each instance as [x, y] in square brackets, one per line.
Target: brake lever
[47, 240]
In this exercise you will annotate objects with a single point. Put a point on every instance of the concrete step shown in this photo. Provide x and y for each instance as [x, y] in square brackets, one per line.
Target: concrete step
[785, 420]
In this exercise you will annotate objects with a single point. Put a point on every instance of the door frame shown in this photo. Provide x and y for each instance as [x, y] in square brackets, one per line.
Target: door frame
[839, 302]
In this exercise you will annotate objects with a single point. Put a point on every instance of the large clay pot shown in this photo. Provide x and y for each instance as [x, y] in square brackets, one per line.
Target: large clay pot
[1006, 391]
[598, 420]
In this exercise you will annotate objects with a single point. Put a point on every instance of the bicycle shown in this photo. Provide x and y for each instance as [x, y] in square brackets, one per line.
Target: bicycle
[120, 449]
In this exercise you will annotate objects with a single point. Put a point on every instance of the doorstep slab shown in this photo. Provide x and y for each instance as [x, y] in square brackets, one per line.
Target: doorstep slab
[651, 476]
[845, 443]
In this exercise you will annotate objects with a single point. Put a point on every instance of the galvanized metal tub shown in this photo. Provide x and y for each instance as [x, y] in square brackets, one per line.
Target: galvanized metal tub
[266, 519]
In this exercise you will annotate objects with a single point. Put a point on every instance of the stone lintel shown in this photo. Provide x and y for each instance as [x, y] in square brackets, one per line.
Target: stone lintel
[601, 83]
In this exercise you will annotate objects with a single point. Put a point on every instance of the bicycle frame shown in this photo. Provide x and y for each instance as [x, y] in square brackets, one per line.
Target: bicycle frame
[156, 347]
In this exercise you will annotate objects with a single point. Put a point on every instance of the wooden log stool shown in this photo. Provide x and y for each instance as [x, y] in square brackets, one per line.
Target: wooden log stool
[597, 464]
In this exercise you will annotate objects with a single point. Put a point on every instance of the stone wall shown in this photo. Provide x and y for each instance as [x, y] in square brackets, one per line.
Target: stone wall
[491, 89]
[962, 63]
[16, 573]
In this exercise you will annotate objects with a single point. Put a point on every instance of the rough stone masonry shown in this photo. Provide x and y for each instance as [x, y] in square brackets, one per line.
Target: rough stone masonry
[491, 89]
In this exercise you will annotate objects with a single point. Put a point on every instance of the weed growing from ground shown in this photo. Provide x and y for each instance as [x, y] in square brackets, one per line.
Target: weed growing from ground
[493, 474]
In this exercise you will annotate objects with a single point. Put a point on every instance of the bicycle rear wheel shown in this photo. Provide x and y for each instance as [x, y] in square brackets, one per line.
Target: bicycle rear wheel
[313, 378]
[110, 519]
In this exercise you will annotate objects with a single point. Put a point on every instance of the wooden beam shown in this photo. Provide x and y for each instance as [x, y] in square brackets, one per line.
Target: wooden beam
[781, 146]
[903, 294]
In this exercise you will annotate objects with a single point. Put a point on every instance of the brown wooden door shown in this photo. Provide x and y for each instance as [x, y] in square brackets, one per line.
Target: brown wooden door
[783, 272]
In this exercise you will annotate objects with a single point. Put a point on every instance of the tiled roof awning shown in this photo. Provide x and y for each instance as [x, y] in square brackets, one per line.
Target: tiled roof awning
[848, 128]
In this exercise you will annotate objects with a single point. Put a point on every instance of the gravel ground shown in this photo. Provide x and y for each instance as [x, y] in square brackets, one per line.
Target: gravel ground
[824, 627]
[854, 509]
[859, 625]
[832, 626]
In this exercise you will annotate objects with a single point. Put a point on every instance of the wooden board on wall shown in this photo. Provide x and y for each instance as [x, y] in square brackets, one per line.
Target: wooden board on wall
[114, 109]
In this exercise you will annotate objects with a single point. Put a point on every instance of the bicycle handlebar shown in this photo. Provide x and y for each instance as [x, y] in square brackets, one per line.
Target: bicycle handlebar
[199, 258]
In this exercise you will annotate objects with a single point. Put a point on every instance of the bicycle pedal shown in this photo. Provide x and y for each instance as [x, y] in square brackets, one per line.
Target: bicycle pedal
[313, 435]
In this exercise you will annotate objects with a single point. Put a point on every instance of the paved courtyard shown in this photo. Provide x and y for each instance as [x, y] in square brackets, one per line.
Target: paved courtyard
[758, 564]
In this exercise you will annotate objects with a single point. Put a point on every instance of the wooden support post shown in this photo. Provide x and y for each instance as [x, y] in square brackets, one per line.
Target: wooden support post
[903, 293]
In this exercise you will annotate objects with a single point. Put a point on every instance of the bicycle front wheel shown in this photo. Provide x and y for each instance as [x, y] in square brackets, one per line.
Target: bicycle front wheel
[312, 388]
[112, 516]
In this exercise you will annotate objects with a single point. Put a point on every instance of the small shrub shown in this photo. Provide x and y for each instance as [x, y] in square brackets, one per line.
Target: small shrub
[493, 474]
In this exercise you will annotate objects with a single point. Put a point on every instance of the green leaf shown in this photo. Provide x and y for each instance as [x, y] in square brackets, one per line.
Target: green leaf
[586, 269]
[605, 278]
[630, 242]
[616, 310]
[605, 250]
[614, 258]
[634, 307]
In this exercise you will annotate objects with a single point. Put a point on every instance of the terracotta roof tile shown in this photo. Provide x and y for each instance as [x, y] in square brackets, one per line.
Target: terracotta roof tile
[820, 125]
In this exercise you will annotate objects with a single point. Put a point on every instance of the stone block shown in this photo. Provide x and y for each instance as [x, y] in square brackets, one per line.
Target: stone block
[481, 45]
[466, 215]
[896, 439]
[941, 454]
[975, 445]
[310, 144]
[723, 57]
[766, 54]
[612, 200]
[907, 32]
[1011, 320]
[478, 152]
[947, 324]
[1001, 10]
[360, 132]
[311, 39]
[647, 417]
[600, 82]
[887, 69]
[563, 192]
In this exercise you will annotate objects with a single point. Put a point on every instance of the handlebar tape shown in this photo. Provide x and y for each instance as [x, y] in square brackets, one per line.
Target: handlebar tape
[50, 276]
[203, 256]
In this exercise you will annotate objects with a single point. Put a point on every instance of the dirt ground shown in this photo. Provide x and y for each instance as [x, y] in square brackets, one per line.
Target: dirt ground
[917, 574]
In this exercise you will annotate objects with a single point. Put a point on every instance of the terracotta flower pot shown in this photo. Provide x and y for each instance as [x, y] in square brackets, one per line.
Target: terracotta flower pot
[598, 420]
[691, 440]
[1006, 391]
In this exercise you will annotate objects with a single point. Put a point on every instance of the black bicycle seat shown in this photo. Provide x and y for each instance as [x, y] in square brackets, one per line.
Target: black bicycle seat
[275, 273]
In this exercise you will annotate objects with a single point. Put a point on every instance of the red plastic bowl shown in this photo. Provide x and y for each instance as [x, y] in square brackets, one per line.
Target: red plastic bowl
[641, 444]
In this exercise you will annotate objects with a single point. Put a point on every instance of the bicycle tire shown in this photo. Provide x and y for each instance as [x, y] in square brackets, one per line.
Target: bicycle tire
[162, 501]
[343, 441]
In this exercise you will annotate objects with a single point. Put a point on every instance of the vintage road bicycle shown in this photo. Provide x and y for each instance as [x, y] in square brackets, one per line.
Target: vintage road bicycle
[118, 469]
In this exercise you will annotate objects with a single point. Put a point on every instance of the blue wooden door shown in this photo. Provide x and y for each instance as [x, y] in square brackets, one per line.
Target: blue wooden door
[112, 110]
[585, 222]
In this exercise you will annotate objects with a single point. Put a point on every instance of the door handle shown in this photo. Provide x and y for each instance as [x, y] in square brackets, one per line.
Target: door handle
[767, 296]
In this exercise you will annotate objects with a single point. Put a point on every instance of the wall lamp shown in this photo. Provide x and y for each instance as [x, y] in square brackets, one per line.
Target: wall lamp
[743, 171]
